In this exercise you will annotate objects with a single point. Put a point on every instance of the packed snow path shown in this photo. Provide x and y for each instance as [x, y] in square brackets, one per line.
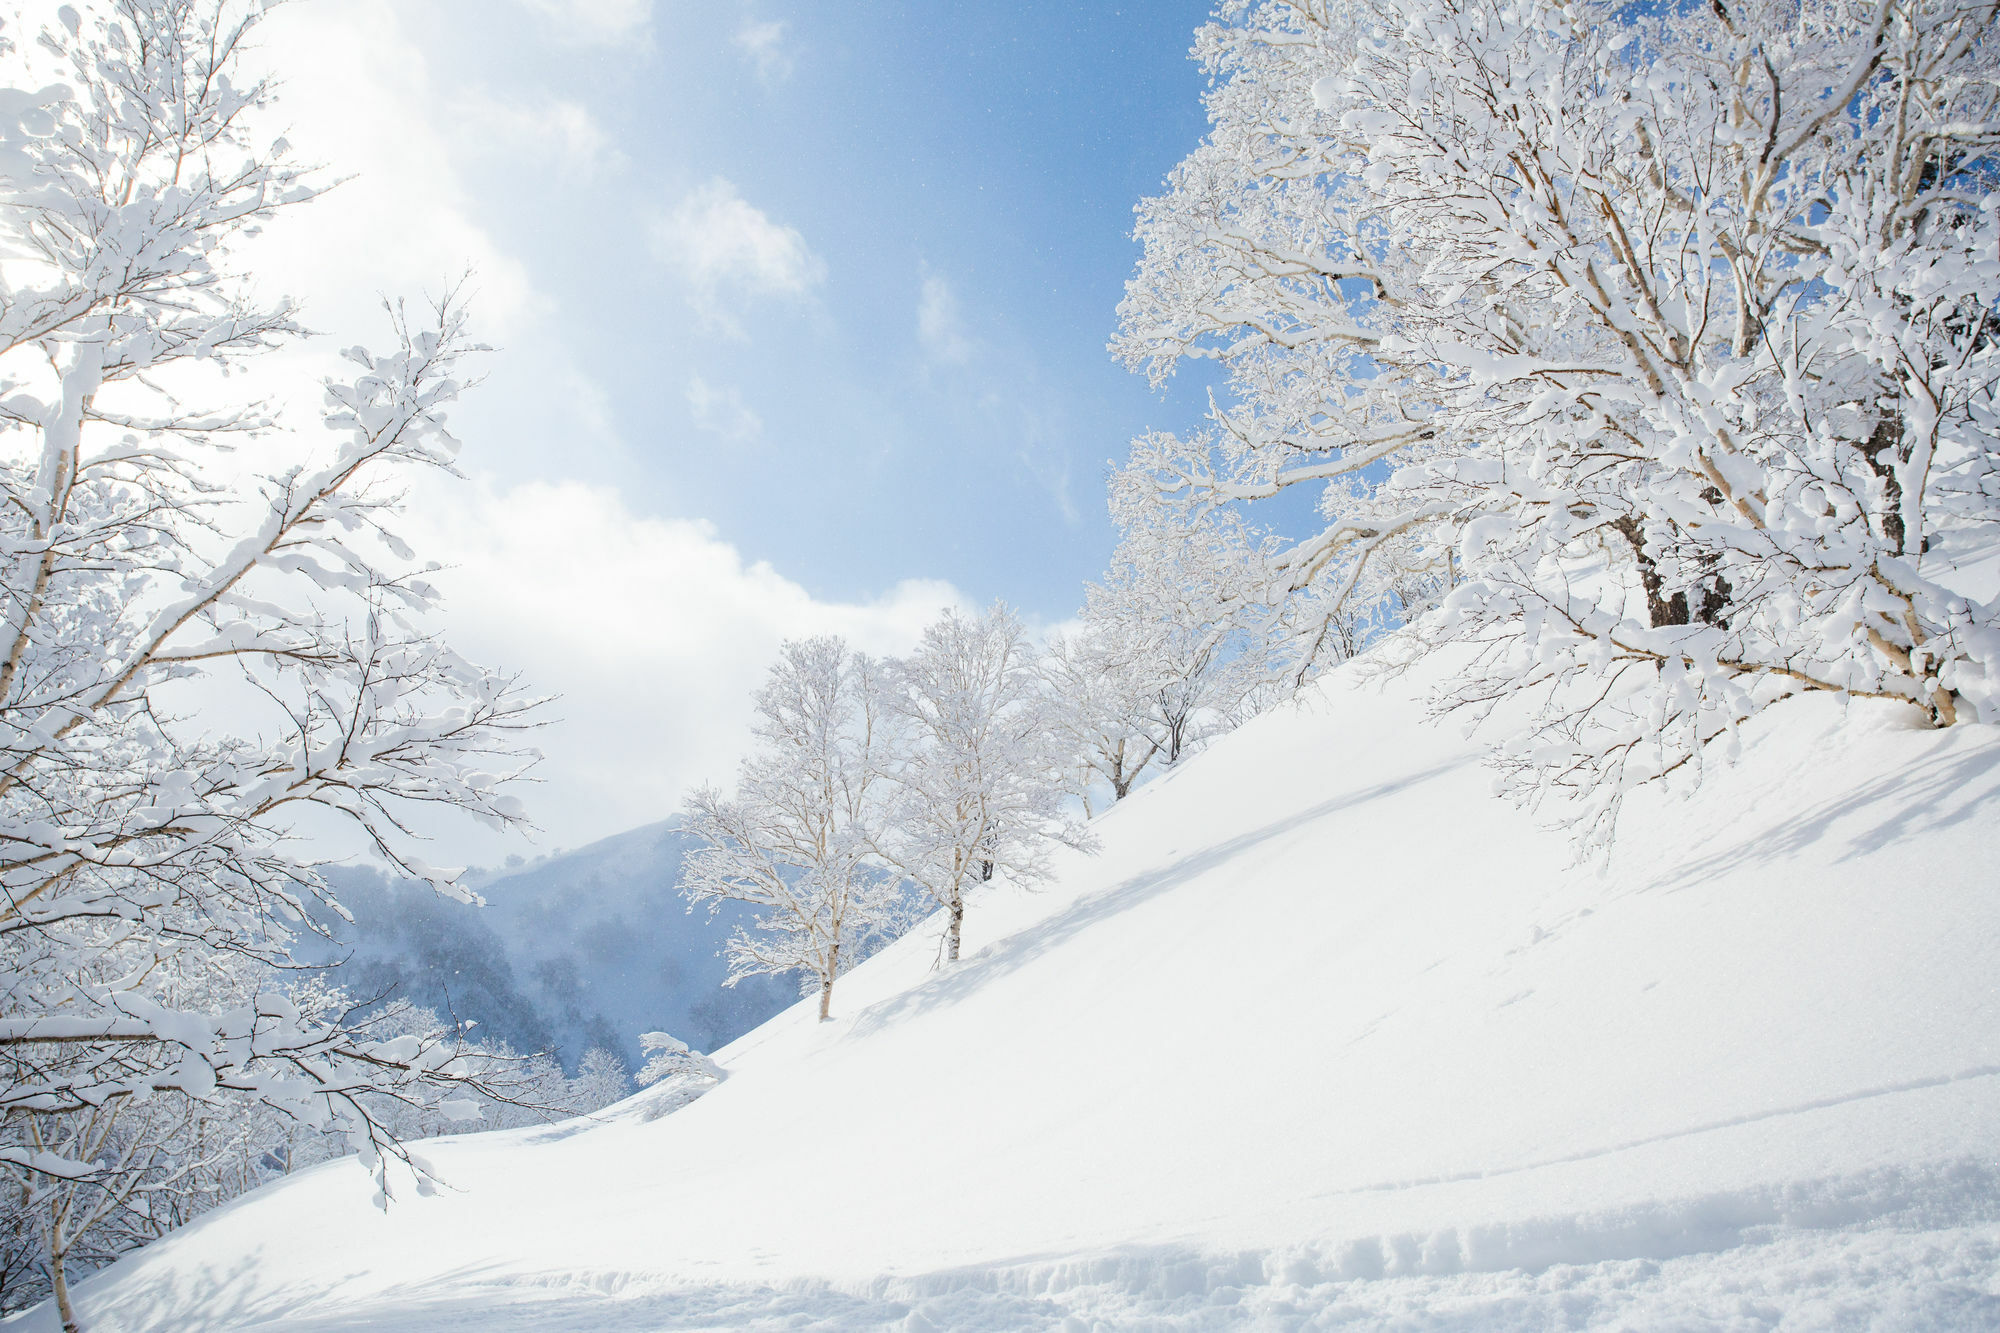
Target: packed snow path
[1325, 1033]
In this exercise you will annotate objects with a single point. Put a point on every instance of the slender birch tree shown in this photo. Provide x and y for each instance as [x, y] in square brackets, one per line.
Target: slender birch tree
[979, 776]
[797, 838]
[1097, 703]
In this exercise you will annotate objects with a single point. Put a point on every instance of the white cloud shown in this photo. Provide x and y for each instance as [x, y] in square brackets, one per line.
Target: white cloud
[940, 329]
[721, 411]
[596, 22]
[763, 44]
[358, 95]
[723, 246]
[538, 128]
[654, 631]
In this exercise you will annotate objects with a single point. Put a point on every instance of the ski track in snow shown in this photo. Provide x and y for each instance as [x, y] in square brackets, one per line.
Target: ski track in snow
[1325, 1037]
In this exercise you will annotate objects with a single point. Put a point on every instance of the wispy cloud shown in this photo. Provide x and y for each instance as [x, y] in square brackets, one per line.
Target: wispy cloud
[725, 247]
[596, 22]
[1004, 380]
[547, 129]
[361, 93]
[721, 411]
[763, 44]
[940, 327]
[1039, 449]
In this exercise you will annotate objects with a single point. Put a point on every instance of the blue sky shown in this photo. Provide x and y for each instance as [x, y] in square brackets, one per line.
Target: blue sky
[800, 315]
[988, 155]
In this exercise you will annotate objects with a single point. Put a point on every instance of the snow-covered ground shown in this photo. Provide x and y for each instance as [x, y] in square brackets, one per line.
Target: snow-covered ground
[1324, 1033]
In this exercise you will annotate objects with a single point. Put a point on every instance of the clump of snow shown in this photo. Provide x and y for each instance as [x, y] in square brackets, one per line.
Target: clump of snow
[1324, 1032]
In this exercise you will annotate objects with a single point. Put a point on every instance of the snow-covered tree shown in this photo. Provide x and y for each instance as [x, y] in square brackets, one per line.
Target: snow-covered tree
[600, 1081]
[145, 1155]
[1173, 602]
[143, 824]
[1163, 660]
[1176, 644]
[1677, 322]
[154, 1159]
[796, 840]
[161, 1161]
[979, 774]
[1097, 704]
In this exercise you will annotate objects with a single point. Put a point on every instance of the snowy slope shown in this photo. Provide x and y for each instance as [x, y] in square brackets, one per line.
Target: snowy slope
[1324, 1032]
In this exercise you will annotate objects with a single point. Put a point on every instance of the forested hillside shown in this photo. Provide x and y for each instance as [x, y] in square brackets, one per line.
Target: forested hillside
[585, 948]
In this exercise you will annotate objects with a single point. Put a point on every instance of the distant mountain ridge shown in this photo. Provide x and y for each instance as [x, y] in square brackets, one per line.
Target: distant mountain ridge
[584, 948]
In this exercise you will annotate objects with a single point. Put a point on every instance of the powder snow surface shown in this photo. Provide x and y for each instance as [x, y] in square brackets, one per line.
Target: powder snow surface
[1325, 1034]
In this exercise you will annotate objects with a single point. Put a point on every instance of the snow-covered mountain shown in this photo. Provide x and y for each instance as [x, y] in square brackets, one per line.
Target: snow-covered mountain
[583, 948]
[1324, 1032]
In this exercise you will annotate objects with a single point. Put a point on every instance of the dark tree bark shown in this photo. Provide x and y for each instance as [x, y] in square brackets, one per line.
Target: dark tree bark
[1663, 609]
[1883, 451]
[1660, 611]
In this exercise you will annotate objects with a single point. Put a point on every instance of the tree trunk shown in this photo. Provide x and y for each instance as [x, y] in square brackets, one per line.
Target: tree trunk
[59, 1279]
[1660, 611]
[826, 984]
[957, 924]
[1883, 451]
[1715, 592]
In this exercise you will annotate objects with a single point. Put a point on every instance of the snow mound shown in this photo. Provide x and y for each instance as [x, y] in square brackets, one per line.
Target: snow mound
[1326, 1033]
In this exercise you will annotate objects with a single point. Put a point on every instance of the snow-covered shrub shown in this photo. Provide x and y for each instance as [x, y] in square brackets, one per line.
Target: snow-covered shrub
[675, 1074]
[667, 1056]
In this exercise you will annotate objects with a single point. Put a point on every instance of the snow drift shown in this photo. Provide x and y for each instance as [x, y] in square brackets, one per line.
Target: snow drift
[1325, 1031]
